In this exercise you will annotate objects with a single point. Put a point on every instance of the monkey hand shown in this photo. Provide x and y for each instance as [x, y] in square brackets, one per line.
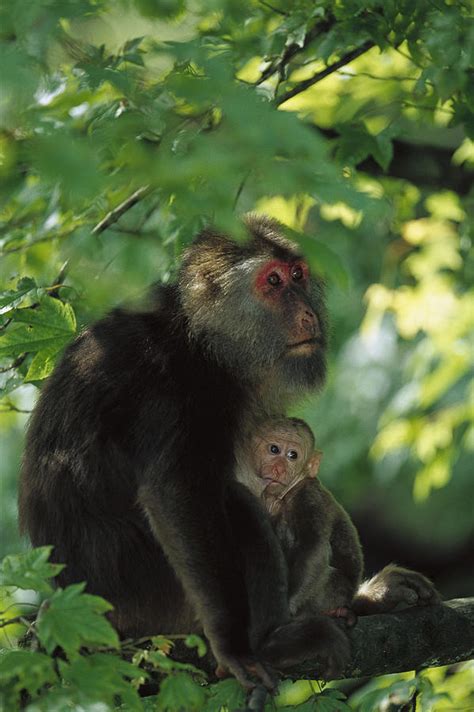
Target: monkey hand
[307, 638]
[246, 669]
[394, 587]
[347, 614]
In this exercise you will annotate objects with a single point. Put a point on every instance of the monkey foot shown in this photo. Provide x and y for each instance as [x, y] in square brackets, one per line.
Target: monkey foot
[244, 669]
[305, 638]
[394, 587]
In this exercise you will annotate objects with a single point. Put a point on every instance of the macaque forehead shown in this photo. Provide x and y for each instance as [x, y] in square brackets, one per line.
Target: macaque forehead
[289, 273]
[287, 436]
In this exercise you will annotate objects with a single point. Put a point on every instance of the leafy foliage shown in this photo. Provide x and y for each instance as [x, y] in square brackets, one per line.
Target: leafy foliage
[30, 570]
[73, 658]
[59, 625]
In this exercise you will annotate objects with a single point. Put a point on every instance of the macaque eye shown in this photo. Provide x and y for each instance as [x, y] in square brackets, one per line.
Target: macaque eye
[274, 279]
[274, 449]
[292, 455]
[297, 273]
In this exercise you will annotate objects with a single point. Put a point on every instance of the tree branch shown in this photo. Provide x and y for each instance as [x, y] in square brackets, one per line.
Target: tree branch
[302, 86]
[117, 212]
[413, 639]
[293, 49]
[423, 164]
[273, 9]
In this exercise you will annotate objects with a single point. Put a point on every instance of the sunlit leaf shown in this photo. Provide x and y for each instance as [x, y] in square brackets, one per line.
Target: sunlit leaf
[30, 570]
[48, 327]
[195, 641]
[13, 298]
[73, 619]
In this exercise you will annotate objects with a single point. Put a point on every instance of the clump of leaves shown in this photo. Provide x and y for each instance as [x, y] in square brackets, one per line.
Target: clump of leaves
[74, 656]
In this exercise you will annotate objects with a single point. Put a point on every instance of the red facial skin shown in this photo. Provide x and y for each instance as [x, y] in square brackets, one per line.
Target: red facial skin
[278, 279]
[286, 272]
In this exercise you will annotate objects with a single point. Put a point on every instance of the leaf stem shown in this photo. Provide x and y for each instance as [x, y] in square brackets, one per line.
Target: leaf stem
[302, 86]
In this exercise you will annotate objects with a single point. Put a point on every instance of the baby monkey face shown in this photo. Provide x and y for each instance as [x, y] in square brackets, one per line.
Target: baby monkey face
[281, 455]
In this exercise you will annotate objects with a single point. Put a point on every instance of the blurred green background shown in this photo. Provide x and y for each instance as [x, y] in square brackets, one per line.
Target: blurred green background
[350, 122]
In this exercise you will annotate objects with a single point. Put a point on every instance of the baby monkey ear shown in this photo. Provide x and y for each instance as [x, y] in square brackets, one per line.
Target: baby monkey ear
[314, 463]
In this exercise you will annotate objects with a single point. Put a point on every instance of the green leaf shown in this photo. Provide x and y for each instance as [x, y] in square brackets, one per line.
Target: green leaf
[133, 44]
[72, 161]
[13, 298]
[354, 145]
[134, 58]
[73, 619]
[330, 700]
[160, 8]
[179, 692]
[56, 699]
[26, 669]
[165, 664]
[162, 643]
[52, 313]
[195, 641]
[102, 677]
[383, 150]
[329, 263]
[227, 694]
[324, 259]
[30, 570]
[48, 327]
[9, 383]
[42, 364]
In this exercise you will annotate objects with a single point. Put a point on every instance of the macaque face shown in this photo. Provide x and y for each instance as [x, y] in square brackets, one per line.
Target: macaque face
[283, 456]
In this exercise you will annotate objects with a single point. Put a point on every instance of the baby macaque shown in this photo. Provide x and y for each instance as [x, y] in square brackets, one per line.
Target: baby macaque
[319, 541]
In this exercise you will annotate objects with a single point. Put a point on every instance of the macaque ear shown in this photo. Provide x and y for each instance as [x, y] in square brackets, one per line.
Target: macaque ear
[314, 463]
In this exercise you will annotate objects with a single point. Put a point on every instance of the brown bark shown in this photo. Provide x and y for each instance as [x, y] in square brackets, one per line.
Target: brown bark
[412, 639]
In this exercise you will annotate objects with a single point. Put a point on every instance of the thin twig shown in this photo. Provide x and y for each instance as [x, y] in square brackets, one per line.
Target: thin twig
[407, 56]
[23, 247]
[117, 212]
[24, 619]
[10, 408]
[374, 76]
[293, 49]
[302, 86]
[273, 9]
[423, 107]
[16, 604]
[239, 191]
[58, 282]
[109, 219]
[17, 362]
[5, 323]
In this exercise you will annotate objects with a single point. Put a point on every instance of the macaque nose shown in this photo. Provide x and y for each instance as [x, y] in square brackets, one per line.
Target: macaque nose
[309, 321]
[279, 470]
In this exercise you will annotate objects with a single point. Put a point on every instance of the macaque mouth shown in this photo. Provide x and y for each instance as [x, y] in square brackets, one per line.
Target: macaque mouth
[312, 343]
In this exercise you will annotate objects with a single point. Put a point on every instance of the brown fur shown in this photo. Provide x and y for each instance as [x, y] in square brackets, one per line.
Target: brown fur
[129, 461]
[320, 543]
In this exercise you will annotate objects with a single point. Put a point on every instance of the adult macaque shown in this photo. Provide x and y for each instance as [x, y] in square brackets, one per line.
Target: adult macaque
[129, 463]
[279, 464]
